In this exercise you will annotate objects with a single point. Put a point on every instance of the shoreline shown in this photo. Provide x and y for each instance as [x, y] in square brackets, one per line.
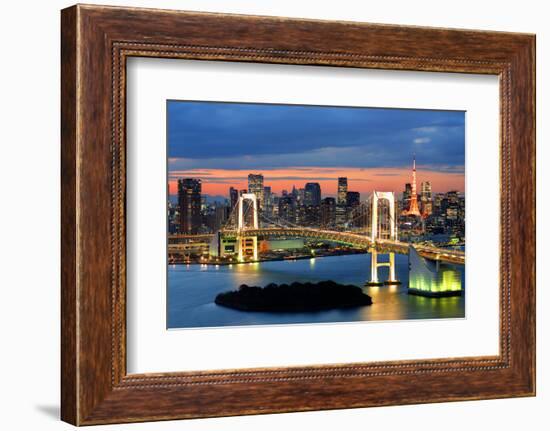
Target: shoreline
[277, 259]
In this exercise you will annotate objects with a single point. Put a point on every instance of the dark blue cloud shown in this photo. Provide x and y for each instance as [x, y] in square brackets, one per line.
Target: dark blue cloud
[265, 136]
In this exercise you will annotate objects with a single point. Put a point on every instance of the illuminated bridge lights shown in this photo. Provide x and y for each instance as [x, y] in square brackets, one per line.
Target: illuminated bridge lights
[354, 240]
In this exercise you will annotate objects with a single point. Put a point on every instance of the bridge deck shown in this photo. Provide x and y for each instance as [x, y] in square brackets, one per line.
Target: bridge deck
[349, 238]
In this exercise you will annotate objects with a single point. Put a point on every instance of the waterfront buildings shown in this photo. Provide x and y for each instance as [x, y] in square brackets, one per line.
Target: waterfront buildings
[189, 202]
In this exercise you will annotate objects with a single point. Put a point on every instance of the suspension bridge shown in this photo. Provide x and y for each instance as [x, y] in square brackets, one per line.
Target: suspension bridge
[247, 224]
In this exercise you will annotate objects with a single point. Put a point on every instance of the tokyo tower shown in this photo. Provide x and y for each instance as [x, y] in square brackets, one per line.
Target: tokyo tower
[413, 205]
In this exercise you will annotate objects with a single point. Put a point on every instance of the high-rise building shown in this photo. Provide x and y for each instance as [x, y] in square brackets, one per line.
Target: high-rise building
[341, 201]
[233, 197]
[312, 215]
[342, 190]
[341, 215]
[426, 208]
[413, 203]
[407, 196]
[287, 208]
[426, 191]
[275, 209]
[173, 218]
[312, 194]
[328, 212]
[300, 214]
[353, 199]
[256, 186]
[451, 204]
[222, 215]
[438, 203]
[452, 197]
[268, 201]
[301, 196]
[189, 202]
[426, 204]
[233, 200]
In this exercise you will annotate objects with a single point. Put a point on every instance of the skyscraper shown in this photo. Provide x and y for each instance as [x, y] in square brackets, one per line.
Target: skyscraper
[287, 208]
[413, 205]
[312, 194]
[189, 201]
[173, 218]
[233, 197]
[341, 201]
[452, 210]
[268, 201]
[407, 196]
[426, 191]
[342, 190]
[328, 212]
[426, 205]
[221, 216]
[301, 196]
[256, 186]
[427, 208]
[353, 199]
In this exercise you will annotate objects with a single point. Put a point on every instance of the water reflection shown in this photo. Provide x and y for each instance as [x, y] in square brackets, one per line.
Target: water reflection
[192, 289]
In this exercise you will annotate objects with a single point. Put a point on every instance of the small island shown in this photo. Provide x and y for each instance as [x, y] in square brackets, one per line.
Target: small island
[295, 297]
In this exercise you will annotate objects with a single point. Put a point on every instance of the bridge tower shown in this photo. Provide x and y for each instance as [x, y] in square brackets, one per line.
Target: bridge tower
[247, 245]
[376, 235]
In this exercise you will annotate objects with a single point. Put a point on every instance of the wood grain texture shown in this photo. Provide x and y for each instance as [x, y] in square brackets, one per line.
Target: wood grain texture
[96, 41]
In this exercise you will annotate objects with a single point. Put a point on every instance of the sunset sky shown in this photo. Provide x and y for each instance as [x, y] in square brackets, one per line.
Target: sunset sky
[221, 143]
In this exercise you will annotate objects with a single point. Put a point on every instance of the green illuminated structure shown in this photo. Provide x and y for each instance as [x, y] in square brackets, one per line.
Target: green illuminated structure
[431, 277]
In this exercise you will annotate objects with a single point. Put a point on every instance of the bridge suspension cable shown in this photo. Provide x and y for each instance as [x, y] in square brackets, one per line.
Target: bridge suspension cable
[361, 213]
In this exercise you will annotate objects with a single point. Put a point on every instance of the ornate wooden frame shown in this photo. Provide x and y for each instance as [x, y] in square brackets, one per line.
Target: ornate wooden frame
[96, 41]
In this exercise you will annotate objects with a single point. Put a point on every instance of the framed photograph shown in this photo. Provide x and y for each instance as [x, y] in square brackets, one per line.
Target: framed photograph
[264, 215]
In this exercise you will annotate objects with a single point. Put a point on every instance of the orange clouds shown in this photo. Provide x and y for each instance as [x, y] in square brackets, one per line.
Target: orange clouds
[363, 180]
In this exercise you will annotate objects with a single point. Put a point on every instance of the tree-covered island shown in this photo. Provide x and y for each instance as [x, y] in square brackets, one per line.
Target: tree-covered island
[295, 297]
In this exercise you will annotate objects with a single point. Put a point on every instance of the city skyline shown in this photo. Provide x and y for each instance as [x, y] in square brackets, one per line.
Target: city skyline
[327, 183]
[308, 206]
[222, 143]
